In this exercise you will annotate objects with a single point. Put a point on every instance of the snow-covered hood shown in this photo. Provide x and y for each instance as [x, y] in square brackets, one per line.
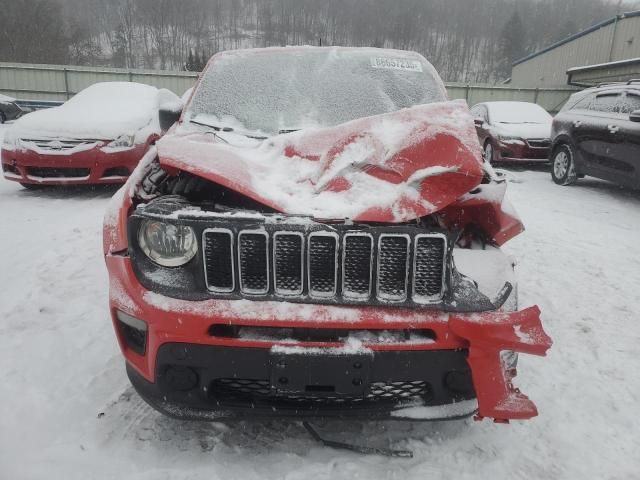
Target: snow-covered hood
[103, 111]
[526, 131]
[393, 167]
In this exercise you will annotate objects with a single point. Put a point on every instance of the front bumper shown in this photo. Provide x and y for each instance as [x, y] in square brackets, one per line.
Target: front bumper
[518, 151]
[179, 335]
[88, 167]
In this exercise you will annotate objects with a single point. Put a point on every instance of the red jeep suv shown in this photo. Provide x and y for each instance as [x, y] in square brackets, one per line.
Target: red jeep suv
[317, 235]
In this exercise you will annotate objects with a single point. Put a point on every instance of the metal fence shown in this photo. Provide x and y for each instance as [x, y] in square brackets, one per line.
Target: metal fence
[59, 83]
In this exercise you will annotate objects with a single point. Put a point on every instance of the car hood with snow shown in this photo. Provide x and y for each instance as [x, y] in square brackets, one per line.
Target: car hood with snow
[522, 120]
[103, 111]
[392, 167]
[525, 131]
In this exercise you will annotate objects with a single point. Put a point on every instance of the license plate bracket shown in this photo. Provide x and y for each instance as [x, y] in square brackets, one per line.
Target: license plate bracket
[320, 375]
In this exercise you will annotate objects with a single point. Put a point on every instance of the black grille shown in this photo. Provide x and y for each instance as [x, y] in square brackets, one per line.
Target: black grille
[253, 262]
[240, 389]
[326, 265]
[322, 253]
[428, 268]
[357, 265]
[58, 172]
[392, 267]
[218, 257]
[287, 260]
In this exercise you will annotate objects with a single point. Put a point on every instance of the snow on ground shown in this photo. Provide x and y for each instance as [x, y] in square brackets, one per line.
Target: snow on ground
[67, 410]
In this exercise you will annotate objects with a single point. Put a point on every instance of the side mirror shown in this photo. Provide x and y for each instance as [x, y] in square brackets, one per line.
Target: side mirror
[635, 116]
[479, 122]
[169, 113]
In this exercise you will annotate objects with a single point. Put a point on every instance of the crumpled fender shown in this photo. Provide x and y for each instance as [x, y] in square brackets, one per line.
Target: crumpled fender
[489, 334]
[392, 168]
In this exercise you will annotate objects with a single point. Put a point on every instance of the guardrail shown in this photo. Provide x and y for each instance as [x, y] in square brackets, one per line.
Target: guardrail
[59, 83]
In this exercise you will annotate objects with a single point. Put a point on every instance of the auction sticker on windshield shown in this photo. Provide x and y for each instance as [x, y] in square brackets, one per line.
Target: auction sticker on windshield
[396, 64]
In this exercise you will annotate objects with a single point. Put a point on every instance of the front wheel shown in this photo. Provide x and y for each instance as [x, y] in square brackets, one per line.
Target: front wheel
[563, 169]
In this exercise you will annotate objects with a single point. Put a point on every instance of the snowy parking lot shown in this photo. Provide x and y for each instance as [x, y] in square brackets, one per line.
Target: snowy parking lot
[67, 409]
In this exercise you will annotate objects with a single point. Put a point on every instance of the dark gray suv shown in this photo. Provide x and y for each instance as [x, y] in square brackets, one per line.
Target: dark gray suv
[597, 133]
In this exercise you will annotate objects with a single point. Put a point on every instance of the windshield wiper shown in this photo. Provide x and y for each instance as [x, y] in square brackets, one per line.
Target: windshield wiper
[288, 130]
[227, 129]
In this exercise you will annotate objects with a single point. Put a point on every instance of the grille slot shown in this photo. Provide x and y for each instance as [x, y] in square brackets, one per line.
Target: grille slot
[218, 260]
[322, 260]
[393, 259]
[241, 389]
[428, 268]
[357, 264]
[253, 262]
[288, 262]
[58, 172]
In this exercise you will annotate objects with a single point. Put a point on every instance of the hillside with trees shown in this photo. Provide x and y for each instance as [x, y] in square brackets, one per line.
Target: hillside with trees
[467, 40]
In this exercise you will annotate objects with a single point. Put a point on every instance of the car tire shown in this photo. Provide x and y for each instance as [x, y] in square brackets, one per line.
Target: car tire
[3, 117]
[487, 152]
[563, 169]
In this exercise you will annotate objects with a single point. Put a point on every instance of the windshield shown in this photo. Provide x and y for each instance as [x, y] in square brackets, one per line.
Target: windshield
[279, 90]
[518, 112]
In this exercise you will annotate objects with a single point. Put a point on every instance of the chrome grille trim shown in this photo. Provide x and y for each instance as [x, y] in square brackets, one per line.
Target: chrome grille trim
[243, 288]
[280, 290]
[539, 142]
[336, 240]
[230, 259]
[326, 265]
[386, 296]
[346, 293]
[434, 298]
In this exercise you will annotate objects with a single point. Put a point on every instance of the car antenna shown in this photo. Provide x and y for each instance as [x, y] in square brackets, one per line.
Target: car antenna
[387, 452]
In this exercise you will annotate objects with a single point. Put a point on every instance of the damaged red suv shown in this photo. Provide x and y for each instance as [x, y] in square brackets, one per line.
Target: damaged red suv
[317, 235]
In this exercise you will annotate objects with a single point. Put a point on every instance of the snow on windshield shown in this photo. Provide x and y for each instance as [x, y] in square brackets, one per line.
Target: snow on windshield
[517, 112]
[289, 89]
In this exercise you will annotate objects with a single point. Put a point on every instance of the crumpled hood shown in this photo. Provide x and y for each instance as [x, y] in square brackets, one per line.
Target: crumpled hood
[393, 167]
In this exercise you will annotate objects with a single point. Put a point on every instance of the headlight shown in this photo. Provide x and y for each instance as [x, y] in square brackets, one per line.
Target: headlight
[167, 244]
[122, 141]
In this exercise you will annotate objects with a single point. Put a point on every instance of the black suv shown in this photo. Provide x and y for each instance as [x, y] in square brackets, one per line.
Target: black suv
[597, 133]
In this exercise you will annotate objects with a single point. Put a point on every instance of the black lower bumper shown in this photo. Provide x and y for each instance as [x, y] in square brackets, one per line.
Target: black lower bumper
[202, 382]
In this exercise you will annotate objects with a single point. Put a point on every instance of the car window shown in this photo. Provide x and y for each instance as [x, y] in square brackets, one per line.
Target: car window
[584, 103]
[629, 102]
[608, 103]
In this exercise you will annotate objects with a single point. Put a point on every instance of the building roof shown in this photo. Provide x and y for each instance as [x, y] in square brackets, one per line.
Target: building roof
[571, 38]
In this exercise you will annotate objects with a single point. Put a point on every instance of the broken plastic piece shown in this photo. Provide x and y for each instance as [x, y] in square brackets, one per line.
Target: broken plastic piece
[357, 448]
[488, 334]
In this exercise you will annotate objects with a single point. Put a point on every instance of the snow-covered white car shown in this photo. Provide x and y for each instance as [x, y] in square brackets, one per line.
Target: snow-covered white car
[513, 131]
[319, 236]
[97, 137]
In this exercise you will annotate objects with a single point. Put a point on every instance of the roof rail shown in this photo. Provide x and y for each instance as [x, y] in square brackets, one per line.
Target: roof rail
[604, 84]
[627, 82]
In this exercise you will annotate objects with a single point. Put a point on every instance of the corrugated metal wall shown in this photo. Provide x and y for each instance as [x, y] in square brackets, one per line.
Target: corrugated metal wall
[54, 82]
[619, 40]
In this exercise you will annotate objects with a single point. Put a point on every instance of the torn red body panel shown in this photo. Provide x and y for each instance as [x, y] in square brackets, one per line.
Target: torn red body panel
[346, 171]
[489, 335]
